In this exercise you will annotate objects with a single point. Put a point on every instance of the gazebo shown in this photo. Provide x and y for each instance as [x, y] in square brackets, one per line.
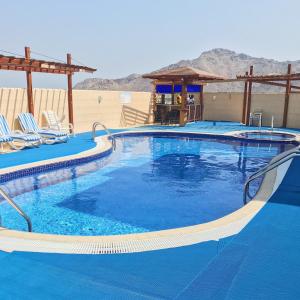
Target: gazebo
[177, 96]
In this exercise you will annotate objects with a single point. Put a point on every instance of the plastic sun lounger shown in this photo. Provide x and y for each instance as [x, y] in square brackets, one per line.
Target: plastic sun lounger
[23, 140]
[55, 123]
[49, 136]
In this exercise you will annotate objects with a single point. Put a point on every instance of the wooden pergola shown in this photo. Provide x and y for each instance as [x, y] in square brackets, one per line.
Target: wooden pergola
[182, 77]
[29, 65]
[281, 80]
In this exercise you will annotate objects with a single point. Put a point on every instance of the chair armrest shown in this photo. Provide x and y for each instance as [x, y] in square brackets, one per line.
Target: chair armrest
[30, 132]
[17, 132]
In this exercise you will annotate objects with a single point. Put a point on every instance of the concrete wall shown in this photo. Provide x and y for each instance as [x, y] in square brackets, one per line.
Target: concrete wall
[228, 107]
[114, 109]
[223, 106]
[121, 109]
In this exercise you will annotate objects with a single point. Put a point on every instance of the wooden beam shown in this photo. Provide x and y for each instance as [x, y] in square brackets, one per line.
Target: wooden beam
[280, 77]
[70, 93]
[276, 84]
[249, 97]
[287, 97]
[19, 63]
[29, 83]
[245, 100]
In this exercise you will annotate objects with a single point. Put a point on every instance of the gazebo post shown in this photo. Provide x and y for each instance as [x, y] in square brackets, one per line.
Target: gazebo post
[30, 103]
[173, 95]
[287, 97]
[183, 113]
[249, 97]
[70, 93]
[245, 100]
[201, 103]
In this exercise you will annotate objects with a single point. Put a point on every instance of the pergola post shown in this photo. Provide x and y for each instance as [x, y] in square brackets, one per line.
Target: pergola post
[183, 112]
[30, 103]
[287, 97]
[70, 93]
[201, 103]
[249, 97]
[245, 100]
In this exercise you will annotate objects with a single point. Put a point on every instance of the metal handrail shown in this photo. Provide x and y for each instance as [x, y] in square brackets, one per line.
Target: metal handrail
[295, 151]
[112, 139]
[265, 170]
[17, 208]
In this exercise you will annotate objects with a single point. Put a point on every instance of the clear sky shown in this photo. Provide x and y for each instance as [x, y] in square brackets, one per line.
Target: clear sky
[120, 37]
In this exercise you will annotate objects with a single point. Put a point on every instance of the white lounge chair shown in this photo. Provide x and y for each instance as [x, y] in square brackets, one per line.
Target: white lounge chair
[55, 123]
[49, 136]
[23, 140]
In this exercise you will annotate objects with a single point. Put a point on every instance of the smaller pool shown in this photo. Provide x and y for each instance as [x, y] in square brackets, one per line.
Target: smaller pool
[268, 135]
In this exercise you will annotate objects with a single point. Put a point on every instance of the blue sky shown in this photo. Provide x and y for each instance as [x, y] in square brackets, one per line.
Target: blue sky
[137, 36]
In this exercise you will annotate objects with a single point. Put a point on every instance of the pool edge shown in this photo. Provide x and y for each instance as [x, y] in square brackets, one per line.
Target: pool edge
[228, 225]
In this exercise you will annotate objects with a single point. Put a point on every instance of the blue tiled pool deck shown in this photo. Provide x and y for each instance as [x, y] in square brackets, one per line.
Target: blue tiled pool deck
[261, 262]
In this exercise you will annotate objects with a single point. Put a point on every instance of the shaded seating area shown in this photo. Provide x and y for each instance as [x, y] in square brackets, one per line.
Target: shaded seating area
[177, 96]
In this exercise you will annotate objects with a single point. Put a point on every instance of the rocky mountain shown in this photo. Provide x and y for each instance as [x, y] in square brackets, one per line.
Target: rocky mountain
[219, 61]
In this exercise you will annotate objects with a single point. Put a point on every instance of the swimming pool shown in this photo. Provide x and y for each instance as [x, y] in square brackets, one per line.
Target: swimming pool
[151, 182]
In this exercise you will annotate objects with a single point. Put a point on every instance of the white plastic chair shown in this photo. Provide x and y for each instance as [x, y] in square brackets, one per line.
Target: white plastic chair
[55, 123]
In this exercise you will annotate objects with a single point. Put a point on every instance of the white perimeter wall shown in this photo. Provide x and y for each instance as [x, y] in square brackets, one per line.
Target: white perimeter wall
[120, 109]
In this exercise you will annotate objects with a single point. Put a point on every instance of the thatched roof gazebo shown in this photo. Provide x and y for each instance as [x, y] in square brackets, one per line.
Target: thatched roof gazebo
[181, 81]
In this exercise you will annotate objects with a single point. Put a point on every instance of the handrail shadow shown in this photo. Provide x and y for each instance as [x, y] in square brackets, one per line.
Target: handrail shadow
[131, 116]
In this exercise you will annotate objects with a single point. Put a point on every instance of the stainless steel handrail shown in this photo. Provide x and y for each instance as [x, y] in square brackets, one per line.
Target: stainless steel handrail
[265, 170]
[17, 208]
[112, 139]
[295, 151]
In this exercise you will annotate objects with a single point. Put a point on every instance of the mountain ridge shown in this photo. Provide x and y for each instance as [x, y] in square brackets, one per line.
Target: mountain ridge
[220, 61]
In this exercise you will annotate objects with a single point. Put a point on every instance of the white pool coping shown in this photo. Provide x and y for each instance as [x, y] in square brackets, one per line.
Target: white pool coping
[12, 240]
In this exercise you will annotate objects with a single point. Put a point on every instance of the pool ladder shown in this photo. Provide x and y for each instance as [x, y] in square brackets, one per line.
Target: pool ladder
[17, 208]
[111, 138]
[269, 167]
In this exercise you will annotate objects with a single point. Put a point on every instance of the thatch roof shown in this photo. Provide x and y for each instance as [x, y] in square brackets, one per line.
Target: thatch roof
[182, 73]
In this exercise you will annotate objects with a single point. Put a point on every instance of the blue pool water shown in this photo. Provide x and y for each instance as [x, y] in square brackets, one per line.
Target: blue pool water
[268, 135]
[149, 183]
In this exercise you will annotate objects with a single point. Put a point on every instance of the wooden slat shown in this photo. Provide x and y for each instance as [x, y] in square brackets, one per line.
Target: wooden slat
[22, 64]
